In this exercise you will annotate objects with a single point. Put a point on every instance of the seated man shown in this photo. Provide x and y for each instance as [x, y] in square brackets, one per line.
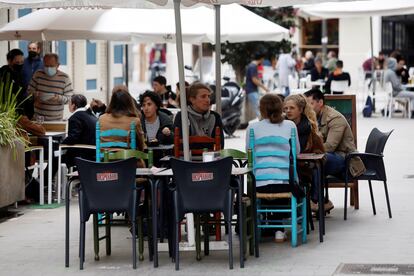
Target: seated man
[319, 72]
[159, 84]
[81, 130]
[398, 90]
[337, 75]
[338, 139]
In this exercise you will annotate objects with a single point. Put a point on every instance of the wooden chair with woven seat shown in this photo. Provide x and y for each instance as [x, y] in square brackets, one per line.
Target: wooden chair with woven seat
[281, 168]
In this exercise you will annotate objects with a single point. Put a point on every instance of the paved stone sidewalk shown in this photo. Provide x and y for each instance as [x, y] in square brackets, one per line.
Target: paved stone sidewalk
[33, 244]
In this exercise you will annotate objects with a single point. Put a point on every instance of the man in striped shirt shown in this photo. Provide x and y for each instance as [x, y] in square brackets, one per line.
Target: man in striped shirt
[51, 89]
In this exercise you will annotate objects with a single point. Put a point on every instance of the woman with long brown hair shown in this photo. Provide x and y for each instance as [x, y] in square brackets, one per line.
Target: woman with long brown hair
[120, 113]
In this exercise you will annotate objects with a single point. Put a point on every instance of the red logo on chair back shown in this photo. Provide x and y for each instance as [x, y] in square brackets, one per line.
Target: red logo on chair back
[202, 176]
[106, 176]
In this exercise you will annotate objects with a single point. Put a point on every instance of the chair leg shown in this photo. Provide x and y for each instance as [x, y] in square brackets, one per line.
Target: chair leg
[82, 245]
[304, 220]
[134, 245]
[388, 199]
[96, 236]
[108, 233]
[197, 237]
[251, 228]
[206, 230]
[244, 226]
[346, 199]
[140, 238]
[372, 197]
[256, 228]
[294, 220]
[230, 243]
[177, 248]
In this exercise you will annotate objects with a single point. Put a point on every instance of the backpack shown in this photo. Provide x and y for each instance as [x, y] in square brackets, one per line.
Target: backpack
[367, 111]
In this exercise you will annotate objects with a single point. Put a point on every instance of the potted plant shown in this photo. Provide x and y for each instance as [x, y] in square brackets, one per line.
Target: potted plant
[12, 145]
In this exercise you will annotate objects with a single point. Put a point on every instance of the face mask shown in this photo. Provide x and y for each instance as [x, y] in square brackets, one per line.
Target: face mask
[17, 67]
[50, 71]
[32, 54]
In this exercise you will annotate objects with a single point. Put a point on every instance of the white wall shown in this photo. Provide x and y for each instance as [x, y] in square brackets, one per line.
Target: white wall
[354, 45]
[172, 62]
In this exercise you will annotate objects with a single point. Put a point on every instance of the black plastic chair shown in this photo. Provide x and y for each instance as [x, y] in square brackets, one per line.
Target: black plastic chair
[373, 160]
[107, 187]
[202, 188]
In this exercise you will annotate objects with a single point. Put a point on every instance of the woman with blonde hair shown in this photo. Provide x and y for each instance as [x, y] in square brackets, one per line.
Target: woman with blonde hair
[301, 113]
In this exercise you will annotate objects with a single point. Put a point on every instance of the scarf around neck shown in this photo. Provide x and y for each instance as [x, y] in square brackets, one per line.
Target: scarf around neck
[200, 124]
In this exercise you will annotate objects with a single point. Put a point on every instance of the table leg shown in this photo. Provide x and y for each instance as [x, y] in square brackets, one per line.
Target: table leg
[322, 179]
[317, 179]
[154, 186]
[67, 209]
[59, 181]
[49, 175]
[42, 177]
[241, 220]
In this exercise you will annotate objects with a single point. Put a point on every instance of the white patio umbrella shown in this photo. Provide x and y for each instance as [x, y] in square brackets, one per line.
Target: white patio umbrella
[358, 9]
[119, 24]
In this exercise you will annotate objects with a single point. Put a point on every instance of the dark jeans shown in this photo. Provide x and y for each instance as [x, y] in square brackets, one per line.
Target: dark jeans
[335, 164]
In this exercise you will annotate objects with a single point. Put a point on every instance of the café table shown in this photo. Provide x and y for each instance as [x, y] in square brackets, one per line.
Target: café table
[49, 135]
[318, 179]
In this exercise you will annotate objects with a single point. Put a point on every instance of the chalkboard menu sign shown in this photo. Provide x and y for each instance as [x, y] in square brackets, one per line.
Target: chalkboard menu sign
[346, 105]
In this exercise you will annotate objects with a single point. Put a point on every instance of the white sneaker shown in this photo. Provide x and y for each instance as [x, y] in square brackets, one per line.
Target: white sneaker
[280, 236]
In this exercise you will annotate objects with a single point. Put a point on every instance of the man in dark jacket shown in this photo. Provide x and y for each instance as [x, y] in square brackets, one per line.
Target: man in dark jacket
[82, 126]
[13, 72]
[337, 75]
[32, 63]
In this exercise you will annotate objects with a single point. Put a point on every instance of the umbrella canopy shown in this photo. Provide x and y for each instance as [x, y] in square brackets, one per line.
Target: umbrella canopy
[238, 24]
[358, 9]
[148, 3]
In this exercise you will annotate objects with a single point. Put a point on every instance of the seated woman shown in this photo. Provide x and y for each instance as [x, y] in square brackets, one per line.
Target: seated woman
[301, 113]
[81, 130]
[119, 114]
[272, 123]
[157, 126]
[202, 121]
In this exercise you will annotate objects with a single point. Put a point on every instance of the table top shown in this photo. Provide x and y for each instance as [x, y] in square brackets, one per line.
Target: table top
[162, 147]
[138, 172]
[234, 171]
[310, 156]
[54, 133]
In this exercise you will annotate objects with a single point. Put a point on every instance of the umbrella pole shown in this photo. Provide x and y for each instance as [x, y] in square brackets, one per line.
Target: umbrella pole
[200, 60]
[126, 65]
[373, 78]
[108, 72]
[183, 102]
[218, 59]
